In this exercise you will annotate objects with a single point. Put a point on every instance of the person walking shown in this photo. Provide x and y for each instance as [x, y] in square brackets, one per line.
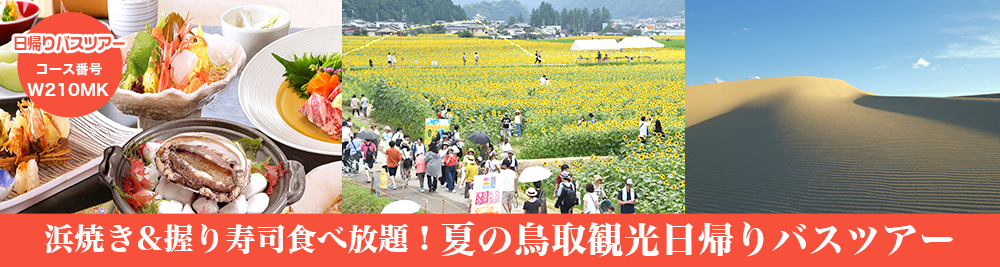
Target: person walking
[406, 163]
[477, 58]
[371, 64]
[541, 193]
[469, 174]
[355, 104]
[508, 186]
[398, 135]
[627, 197]
[538, 57]
[392, 160]
[598, 188]
[355, 146]
[433, 171]
[643, 130]
[421, 167]
[468, 158]
[517, 123]
[566, 196]
[394, 59]
[364, 107]
[463, 59]
[590, 200]
[532, 205]
[370, 152]
[418, 147]
[505, 125]
[450, 160]
[388, 59]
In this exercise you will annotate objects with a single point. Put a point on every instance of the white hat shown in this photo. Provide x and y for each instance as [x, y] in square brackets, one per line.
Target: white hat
[531, 192]
[628, 182]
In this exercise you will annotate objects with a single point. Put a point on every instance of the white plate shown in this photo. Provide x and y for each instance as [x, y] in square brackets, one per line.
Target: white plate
[262, 76]
[89, 135]
[6, 95]
[323, 186]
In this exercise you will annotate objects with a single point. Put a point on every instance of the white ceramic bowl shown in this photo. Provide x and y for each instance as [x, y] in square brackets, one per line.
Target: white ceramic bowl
[255, 39]
[172, 104]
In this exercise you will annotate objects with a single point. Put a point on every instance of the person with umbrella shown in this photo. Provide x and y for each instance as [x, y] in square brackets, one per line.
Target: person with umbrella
[532, 205]
[535, 175]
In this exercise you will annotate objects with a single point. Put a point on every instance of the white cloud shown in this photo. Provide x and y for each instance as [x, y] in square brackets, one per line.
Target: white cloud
[986, 46]
[880, 67]
[754, 77]
[746, 29]
[921, 63]
[718, 80]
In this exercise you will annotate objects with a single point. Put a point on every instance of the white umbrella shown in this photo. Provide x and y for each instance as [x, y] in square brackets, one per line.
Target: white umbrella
[401, 207]
[534, 174]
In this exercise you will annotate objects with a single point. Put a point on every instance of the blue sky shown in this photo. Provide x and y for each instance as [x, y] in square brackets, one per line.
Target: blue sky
[896, 48]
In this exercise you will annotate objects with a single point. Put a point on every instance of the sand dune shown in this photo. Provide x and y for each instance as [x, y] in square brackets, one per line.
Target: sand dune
[817, 145]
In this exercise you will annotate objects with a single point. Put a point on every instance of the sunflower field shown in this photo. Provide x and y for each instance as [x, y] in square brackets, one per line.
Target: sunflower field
[446, 50]
[616, 93]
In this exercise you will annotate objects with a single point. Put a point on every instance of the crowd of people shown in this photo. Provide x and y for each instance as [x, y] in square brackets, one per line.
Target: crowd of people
[449, 161]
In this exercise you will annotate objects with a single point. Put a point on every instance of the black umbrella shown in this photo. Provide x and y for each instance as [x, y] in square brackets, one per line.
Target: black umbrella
[479, 137]
[368, 135]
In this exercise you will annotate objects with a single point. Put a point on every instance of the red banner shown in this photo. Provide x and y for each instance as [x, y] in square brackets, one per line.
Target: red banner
[427, 240]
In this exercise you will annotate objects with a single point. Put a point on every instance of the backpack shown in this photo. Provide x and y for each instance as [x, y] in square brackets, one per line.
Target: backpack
[370, 155]
[570, 196]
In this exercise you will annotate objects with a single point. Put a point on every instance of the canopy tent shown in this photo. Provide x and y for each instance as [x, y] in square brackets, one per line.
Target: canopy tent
[595, 44]
[639, 42]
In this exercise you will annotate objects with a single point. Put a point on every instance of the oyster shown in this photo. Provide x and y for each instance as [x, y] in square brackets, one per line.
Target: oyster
[206, 163]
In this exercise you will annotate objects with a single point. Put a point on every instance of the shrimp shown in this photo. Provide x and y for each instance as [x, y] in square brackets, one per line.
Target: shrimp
[170, 49]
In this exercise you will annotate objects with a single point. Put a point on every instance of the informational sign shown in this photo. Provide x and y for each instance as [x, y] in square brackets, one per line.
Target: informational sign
[432, 126]
[485, 195]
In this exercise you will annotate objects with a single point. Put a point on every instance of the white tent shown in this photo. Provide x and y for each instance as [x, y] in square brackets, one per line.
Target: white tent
[595, 44]
[639, 42]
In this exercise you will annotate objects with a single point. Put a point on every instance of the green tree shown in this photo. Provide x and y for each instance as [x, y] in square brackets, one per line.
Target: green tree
[544, 15]
[436, 29]
[361, 32]
[465, 34]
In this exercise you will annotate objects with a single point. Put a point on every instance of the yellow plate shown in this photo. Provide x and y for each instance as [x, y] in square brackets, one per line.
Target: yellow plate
[289, 104]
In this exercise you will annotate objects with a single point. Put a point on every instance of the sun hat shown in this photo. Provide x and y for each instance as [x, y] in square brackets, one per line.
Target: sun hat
[531, 192]
[598, 178]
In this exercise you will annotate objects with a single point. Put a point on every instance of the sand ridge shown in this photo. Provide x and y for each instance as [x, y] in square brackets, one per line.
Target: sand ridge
[818, 145]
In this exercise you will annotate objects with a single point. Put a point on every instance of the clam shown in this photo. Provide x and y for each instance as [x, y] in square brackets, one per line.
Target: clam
[206, 163]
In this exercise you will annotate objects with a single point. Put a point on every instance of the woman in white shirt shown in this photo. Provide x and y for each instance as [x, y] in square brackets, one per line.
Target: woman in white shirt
[598, 188]
[590, 200]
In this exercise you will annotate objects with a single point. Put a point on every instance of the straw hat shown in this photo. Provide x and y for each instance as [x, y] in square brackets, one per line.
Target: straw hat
[531, 192]
[598, 178]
